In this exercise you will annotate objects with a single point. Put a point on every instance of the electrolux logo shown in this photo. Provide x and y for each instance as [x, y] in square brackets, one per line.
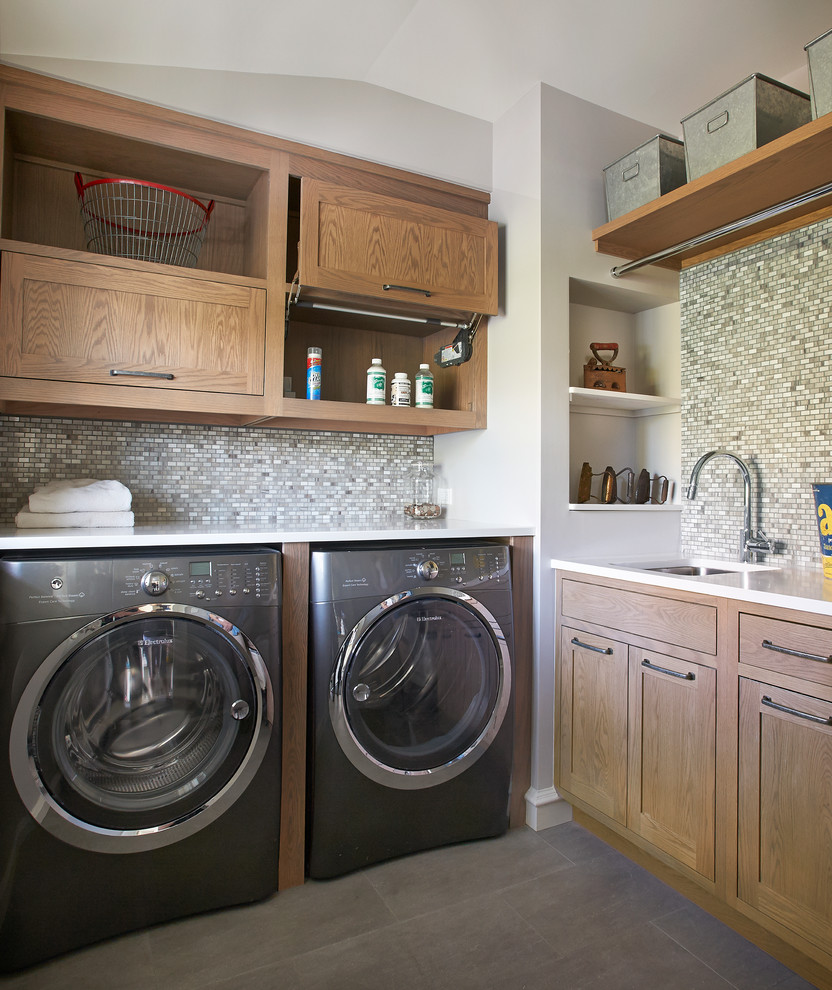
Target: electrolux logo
[428, 618]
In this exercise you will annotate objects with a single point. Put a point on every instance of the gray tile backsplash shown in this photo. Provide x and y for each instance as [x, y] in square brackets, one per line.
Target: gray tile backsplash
[756, 377]
[215, 474]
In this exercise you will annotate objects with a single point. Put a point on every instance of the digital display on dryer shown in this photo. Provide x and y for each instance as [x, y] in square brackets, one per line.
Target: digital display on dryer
[200, 568]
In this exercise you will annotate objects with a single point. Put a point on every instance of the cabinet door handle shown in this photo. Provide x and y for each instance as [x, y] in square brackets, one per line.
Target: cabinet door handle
[405, 288]
[595, 649]
[768, 645]
[689, 676]
[142, 374]
[794, 711]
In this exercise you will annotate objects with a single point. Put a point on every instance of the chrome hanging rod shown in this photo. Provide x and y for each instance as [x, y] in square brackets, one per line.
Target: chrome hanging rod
[728, 228]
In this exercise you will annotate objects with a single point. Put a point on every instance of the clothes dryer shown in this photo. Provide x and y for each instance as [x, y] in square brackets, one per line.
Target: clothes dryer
[411, 705]
[140, 774]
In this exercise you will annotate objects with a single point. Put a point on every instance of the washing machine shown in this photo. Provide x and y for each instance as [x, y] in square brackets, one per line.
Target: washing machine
[140, 778]
[411, 704]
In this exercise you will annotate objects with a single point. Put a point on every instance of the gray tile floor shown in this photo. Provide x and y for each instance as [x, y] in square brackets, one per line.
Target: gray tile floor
[557, 909]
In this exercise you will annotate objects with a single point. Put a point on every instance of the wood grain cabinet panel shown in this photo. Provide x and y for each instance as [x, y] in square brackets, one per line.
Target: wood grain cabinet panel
[593, 721]
[785, 808]
[672, 759]
[794, 648]
[67, 321]
[358, 242]
[669, 620]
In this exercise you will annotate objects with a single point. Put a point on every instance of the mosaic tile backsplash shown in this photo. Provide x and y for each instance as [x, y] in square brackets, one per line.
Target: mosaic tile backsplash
[214, 474]
[757, 381]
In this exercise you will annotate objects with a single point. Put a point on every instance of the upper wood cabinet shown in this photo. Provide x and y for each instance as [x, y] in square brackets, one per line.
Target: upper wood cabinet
[65, 321]
[781, 170]
[404, 253]
[94, 335]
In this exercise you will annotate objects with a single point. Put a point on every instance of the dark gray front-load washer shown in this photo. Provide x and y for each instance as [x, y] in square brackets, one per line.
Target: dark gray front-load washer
[411, 705]
[139, 741]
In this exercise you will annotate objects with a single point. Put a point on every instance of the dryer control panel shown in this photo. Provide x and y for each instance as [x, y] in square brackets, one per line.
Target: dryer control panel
[381, 571]
[470, 567]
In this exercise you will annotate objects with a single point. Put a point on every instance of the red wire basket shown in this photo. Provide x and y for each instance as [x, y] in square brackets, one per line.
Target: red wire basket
[129, 218]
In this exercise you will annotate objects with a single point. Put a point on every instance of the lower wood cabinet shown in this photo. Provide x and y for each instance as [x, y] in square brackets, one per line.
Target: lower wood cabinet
[672, 757]
[785, 808]
[593, 722]
[697, 729]
[638, 742]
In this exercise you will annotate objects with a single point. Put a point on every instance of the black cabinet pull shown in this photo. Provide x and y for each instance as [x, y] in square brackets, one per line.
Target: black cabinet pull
[768, 645]
[142, 374]
[666, 670]
[405, 288]
[795, 711]
[588, 646]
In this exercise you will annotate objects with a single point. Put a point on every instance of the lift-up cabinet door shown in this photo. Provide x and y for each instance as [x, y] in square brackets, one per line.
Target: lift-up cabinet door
[408, 254]
[67, 321]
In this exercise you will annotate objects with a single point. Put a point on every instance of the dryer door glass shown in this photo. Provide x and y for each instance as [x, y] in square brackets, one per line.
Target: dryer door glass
[424, 684]
[144, 722]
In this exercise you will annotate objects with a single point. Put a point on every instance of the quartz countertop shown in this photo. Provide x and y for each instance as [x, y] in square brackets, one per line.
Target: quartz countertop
[388, 526]
[764, 584]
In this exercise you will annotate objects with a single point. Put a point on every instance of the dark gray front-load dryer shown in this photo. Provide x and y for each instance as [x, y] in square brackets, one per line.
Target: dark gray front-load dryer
[411, 717]
[140, 769]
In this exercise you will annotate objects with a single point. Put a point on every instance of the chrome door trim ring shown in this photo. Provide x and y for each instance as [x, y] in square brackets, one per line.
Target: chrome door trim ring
[59, 822]
[358, 755]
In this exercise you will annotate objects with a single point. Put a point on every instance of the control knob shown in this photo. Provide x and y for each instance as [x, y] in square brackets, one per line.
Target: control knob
[155, 582]
[428, 569]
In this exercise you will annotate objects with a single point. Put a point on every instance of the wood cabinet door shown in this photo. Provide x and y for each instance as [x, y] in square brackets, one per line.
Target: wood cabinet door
[362, 243]
[785, 808]
[593, 721]
[672, 774]
[69, 321]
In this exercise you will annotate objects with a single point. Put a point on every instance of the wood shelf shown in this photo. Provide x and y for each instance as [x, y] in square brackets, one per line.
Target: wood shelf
[623, 507]
[620, 403]
[789, 166]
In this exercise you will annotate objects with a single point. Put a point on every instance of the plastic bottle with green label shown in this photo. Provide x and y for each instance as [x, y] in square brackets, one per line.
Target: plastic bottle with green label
[424, 388]
[376, 384]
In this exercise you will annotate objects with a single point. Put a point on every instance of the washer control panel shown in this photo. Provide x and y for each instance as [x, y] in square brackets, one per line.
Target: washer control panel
[199, 579]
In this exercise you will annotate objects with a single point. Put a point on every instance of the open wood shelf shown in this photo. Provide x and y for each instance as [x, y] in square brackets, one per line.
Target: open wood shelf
[787, 167]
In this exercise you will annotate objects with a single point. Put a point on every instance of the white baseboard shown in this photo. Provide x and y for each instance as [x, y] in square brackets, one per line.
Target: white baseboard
[545, 808]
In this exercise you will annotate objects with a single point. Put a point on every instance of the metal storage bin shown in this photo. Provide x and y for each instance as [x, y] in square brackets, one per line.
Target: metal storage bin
[819, 53]
[754, 112]
[654, 168]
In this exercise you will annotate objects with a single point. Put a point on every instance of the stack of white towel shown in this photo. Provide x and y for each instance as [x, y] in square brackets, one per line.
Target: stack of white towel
[82, 502]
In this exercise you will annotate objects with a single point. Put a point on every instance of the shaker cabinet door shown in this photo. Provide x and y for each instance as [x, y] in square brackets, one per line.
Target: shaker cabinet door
[75, 322]
[593, 721]
[406, 253]
[785, 808]
[672, 779]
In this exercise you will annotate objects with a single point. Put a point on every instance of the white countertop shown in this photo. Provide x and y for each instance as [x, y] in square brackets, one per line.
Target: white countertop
[768, 584]
[390, 526]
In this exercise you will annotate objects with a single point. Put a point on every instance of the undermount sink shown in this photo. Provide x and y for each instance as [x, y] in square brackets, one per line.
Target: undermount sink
[693, 568]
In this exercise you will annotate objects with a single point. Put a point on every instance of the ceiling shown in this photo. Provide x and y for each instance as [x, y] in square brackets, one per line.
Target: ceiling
[654, 60]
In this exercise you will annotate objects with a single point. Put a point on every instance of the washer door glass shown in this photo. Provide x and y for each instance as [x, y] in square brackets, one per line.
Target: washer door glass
[145, 721]
[422, 687]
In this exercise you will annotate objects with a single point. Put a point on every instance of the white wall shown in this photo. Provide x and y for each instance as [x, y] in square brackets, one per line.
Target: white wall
[353, 118]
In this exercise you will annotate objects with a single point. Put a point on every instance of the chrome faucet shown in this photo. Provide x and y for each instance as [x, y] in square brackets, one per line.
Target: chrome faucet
[750, 544]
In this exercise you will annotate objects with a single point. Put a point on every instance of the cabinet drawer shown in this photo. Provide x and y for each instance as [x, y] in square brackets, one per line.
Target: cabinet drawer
[795, 648]
[69, 321]
[668, 620]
